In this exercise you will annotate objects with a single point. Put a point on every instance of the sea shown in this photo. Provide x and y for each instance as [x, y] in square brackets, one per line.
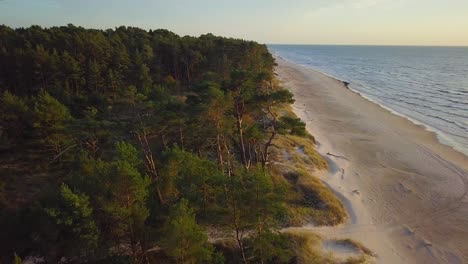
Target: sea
[427, 85]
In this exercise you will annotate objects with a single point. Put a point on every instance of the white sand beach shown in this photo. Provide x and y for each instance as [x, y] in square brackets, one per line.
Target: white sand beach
[406, 193]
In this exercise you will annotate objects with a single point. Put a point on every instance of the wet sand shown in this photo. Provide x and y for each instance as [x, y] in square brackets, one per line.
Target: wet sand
[406, 193]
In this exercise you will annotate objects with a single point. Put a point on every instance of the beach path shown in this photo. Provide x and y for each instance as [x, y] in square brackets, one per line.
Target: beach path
[407, 193]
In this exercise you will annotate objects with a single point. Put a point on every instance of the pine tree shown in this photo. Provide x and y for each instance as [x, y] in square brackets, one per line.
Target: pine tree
[144, 79]
[49, 112]
[72, 72]
[93, 76]
[271, 247]
[184, 240]
[14, 117]
[74, 218]
[125, 202]
[50, 120]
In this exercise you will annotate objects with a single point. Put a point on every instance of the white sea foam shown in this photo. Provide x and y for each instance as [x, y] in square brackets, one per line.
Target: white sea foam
[439, 105]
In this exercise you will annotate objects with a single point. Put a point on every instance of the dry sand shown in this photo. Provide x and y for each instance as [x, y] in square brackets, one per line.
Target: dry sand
[406, 193]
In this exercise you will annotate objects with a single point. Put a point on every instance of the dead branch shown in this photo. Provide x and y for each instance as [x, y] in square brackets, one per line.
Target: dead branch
[62, 152]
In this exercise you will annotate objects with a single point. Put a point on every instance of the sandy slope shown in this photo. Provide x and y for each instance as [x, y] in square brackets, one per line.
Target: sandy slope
[411, 204]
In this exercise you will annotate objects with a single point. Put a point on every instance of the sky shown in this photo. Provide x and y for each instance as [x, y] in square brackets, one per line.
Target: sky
[357, 22]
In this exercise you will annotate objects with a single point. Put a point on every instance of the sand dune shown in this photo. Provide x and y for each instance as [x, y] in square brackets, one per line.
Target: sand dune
[406, 192]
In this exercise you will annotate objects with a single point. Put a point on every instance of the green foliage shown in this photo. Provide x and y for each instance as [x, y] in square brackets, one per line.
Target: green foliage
[14, 116]
[126, 194]
[144, 79]
[129, 194]
[252, 202]
[261, 197]
[128, 153]
[49, 112]
[93, 76]
[293, 126]
[196, 179]
[271, 247]
[90, 175]
[150, 132]
[12, 105]
[183, 239]
[50, 121]
[74, 216]
[280, 96]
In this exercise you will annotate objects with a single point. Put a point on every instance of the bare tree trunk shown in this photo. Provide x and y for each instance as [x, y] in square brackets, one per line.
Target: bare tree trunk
[249, 148]
[163, 140]
[62, 152]
[219, 150]
[187, 67]
[132, 234]
[92, 144]
[181, 137]
[150, 164]
[228, 159]
[174, 64]
[235, 220]
[241, 246]
[241, 134]
[267, 145]
[256, 155]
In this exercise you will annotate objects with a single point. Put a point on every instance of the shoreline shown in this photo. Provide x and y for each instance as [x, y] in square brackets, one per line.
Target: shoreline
[441, 136]
[407, 194]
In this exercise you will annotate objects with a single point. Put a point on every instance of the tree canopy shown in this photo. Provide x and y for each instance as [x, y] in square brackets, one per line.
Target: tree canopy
[125, 145]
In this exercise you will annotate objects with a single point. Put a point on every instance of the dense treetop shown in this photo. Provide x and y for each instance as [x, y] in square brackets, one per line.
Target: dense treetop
[125, 144]
[73, 60]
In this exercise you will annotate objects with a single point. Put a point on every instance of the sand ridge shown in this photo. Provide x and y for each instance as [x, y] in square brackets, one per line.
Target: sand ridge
[407, 194]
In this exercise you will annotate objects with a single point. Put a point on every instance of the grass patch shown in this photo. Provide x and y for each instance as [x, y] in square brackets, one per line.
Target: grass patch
[298, 150]
[306, 248]
[327, 209]
[356, 260]
[295, 158]
[355, 244]
[308, 199]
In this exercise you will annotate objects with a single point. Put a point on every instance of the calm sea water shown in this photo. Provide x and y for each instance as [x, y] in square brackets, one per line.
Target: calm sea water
[428, 85]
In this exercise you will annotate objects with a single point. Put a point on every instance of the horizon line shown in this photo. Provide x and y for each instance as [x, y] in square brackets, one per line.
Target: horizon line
[374, 45]
[260, 42]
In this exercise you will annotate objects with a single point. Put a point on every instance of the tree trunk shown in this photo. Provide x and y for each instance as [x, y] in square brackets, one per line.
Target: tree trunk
[132, 234]
[181, 137]
[228, 158]
[241, 135]
[219, 151]
[237, 229]
[150, 163]
[187, 67]
[163, 140]
[249, 148]
[266, 147]
[241, 246]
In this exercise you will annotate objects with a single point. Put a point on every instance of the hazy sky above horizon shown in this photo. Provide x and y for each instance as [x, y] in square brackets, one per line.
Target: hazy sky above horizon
[368, 22]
